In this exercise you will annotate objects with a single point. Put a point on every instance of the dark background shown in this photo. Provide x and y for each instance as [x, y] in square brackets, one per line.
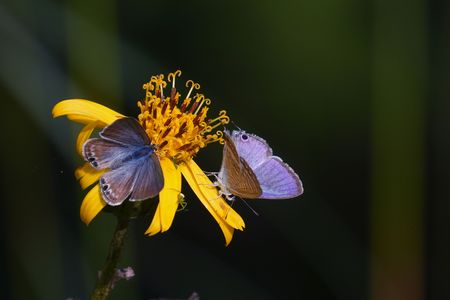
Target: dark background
[354, 95]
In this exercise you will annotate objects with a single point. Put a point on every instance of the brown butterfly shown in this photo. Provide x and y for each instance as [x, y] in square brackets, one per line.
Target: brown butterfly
[236, 176]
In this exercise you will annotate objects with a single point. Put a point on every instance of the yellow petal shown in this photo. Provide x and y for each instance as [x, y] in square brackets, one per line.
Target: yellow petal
[227, 218]
[92, 205]
[87, 175]
[85, 111]
[84, 134]
[168, 198]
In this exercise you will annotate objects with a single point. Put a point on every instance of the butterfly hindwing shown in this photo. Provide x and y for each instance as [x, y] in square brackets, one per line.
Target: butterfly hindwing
[278, 180]
[116, 185]
[149, 179]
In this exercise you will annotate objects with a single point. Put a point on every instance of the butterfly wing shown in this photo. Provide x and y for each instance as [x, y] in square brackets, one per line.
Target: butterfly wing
[236, 174]
[116, 185]
[126, 131]
[253, 149]
[118, 140]
[149, 179]
[278, 180]
[140, 179]
[102, 154]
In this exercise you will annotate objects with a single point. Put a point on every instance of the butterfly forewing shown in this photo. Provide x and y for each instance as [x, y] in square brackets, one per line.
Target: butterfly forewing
[237, 175]
[278, 180]
[149, 179]
[102, 154]
[253, 149]
[126, 131]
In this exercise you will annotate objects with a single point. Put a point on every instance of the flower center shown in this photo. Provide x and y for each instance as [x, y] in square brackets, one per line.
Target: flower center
[179, 129]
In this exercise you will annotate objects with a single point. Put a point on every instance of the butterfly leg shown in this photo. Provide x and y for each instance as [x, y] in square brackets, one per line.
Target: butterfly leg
[209, 173]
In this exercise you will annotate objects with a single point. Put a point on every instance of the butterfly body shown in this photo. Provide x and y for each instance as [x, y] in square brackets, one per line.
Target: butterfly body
[134, 169]
[249, 170]
[138, 153]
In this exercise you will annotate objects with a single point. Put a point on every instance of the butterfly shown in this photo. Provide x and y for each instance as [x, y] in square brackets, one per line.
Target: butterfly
[249, 170]
[134, 169]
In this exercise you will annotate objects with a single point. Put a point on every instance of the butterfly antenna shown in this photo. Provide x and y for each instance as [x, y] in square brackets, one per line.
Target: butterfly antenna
[251, 208]
[236, 126]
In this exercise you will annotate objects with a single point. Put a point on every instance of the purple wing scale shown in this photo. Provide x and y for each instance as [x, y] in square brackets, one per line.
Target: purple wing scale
[116, 185]
[102, 154]
[126, 131]
[250, 147]
[278, 180]
[149, 179]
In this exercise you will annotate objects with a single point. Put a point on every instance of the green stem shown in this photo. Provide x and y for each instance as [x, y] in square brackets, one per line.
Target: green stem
[104, 283]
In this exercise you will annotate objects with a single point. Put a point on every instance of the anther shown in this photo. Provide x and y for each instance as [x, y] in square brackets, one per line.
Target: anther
[163, 110]
[193, 107]
[185, 104]
[163, 144]
[166, 132]
[168, 121]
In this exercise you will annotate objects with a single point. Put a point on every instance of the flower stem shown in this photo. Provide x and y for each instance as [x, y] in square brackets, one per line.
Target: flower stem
[105, 279]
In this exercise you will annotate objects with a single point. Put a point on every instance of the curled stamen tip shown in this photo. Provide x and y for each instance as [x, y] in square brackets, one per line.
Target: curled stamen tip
[207, 128]
[225, 120]
[171, 76]
[199, 97]
[192, 84]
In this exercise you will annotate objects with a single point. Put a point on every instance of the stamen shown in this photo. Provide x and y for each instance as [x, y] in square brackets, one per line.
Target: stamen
[185, 104]
[181, 130]
[193, 106]
[223, 118]
[193, 85]
[163, 110]
[163, 144]
[173, 94]
[178, 131]
[162, 91]
[204, 100]
[206, 127]
[168, 121]
[166, 132]
[184, 147]
[172, 76]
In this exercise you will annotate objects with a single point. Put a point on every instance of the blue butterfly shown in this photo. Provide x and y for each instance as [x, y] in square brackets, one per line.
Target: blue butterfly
[250, 171]
[134, 169]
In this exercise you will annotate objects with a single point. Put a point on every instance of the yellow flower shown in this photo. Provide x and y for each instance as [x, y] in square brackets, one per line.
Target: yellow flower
[179, 129]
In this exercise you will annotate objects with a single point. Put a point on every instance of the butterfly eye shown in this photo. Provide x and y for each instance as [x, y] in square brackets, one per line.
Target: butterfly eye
[244, 137]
